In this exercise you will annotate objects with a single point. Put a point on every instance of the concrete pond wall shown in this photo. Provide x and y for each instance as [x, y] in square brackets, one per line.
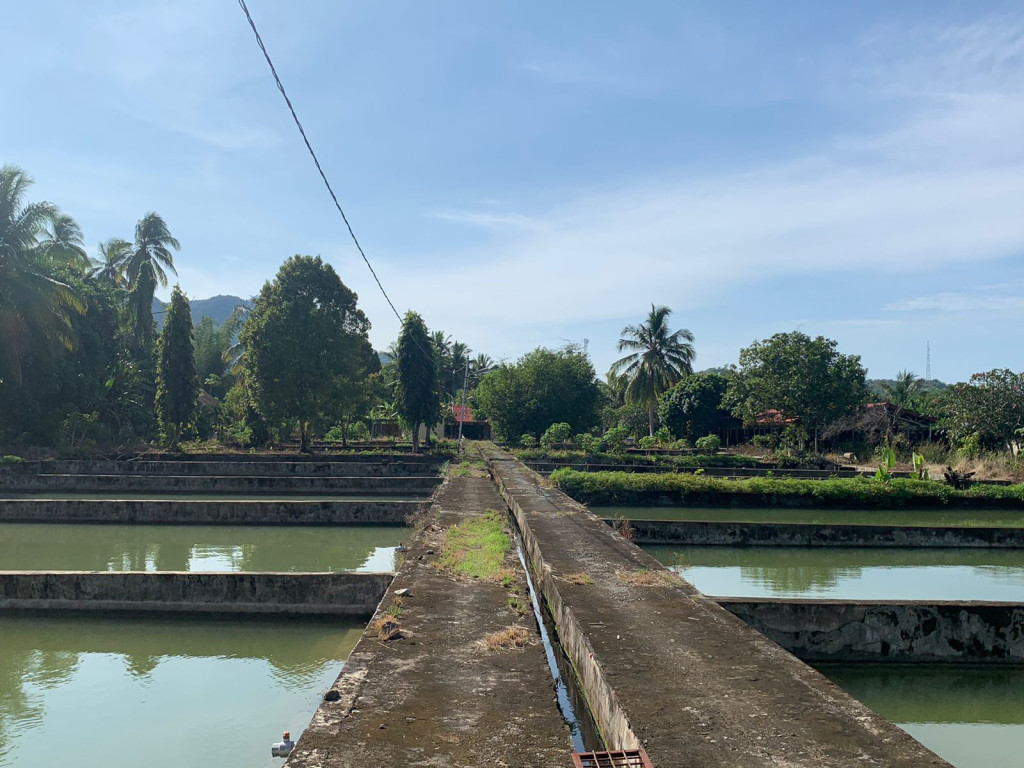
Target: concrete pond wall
[233, 464]
[209, 512]
[699, 533]
[135, 483]
[896, 631]
[340, 594]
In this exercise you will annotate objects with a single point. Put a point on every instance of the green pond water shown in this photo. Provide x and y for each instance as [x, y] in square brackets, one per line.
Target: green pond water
[855, 573]
[115, 547]
[118, 693]
[973, 717]
[926, 517]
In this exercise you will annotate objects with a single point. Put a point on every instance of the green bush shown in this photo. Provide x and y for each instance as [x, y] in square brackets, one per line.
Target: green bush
[528, 441]
[10, 459]
[649, 441]
[709, 443]
[664, 436]
[556, 433]
[854, 493]
[615, 439]
[590, 444]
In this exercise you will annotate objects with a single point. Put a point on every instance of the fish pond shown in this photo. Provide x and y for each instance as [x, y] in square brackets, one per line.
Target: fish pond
[972, 717]
[117, 547]
[855, 573]
[120, 693]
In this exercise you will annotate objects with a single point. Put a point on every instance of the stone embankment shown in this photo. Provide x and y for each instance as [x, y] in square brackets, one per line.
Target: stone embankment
[434, 695]
[666, 669]
[335, 594]
[219, 512]
[701, 533]
[848, 631]
[352, 465]
[383, 485]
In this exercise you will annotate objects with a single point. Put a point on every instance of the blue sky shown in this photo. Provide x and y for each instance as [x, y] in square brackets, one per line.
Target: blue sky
[529, 173]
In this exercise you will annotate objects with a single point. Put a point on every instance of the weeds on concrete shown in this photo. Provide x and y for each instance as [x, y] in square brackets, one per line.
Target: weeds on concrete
[579, 578]
[624, 528]
[386, 629]
[395, 609]
[645, 577]
[477, 548]
[506, 639]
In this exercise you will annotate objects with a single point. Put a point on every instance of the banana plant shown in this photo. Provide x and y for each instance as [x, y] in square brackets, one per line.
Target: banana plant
[920, 470]
[888, 461]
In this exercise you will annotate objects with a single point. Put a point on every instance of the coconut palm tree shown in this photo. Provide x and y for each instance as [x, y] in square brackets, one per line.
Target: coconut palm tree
[658, 359]
[112, 263]
[33, 304]
[145, 268]
[903, 389]
[62, 243]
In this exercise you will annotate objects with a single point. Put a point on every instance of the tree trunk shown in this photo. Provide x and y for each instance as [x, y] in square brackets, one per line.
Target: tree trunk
[650, 417]
[303, 437]
[416, 437]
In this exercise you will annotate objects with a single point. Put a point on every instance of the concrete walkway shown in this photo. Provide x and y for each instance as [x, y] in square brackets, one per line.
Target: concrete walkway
[667, 669]
[434, 697]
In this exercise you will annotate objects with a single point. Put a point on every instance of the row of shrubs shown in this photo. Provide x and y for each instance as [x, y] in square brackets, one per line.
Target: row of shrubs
[668, 462]
[614, 440]
[855, 493]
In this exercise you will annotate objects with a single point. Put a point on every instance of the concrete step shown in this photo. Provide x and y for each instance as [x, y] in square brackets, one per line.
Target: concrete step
[218, 512]
[336, 594]
[185, 484]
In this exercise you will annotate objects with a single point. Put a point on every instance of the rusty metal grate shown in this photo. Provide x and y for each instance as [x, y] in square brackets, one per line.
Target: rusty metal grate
[618, 758]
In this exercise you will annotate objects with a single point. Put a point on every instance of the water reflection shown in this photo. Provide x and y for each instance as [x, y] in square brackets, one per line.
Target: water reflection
[222, 687]
[850, 573]
[971, 716]
[39, 546]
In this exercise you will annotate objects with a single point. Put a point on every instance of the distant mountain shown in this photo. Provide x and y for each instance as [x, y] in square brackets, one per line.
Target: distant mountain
[217, 308]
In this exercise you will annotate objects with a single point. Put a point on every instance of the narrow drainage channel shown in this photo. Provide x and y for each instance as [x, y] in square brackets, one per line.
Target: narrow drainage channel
[571, 701]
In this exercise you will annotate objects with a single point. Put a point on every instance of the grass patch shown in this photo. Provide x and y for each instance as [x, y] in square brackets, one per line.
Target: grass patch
[506, 639]
[395, 609]
[850, 493]
[579, 578]
[477, 548]
[644, 577]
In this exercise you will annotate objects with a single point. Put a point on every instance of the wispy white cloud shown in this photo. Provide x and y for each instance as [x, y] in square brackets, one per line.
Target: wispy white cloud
[942, 184]
[967, 301]
[495, 220]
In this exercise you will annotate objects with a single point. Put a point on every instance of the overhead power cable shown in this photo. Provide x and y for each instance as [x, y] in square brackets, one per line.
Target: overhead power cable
[298, 124]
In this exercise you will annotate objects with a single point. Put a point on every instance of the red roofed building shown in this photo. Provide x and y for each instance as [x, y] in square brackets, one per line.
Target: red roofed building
[471, 428]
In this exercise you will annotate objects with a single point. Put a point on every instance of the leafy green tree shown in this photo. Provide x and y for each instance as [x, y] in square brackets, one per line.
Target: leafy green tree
[303, 332]
[801, 377]
[150, 255]
[694, 408]
[36, 308]
[657, 359]
[354, 391]
[418, 396]
[542, 388]
[989, 406]
[213, 344]
[177, 385]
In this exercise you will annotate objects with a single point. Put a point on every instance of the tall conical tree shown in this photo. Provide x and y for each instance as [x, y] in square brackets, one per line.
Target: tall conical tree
[177, 385]
[419, 401]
